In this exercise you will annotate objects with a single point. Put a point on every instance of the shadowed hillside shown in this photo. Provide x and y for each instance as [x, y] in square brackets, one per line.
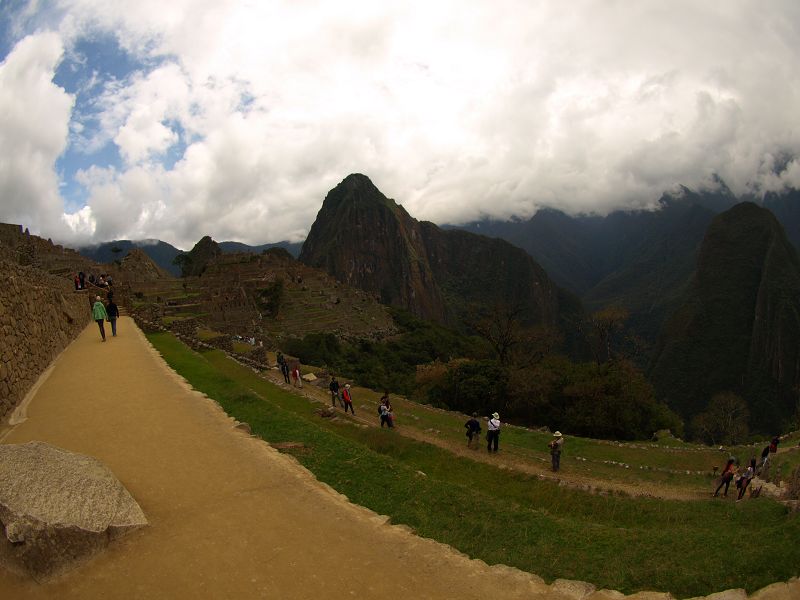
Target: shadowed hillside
[738, 325]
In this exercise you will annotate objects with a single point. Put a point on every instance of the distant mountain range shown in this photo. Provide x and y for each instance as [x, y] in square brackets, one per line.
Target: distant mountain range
[163, 254]
[639, 260]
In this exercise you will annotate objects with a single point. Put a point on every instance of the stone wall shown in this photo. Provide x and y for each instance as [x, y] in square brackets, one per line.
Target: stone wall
[40, 314]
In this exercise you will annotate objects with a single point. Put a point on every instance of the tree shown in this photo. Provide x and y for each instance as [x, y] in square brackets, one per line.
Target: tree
[725, 420]
[604, 325]
[513, 343]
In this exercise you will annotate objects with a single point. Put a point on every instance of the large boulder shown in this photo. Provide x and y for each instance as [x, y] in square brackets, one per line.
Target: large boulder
[58, 508]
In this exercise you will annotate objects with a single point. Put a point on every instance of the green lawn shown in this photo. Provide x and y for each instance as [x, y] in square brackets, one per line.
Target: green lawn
[499, 516]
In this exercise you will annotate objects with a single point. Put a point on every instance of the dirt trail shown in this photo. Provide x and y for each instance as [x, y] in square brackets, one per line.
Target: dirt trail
[229, 516]
[506, 459]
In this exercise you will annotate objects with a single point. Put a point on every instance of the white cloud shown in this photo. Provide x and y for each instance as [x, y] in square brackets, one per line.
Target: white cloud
[454, 109]
[34, 124]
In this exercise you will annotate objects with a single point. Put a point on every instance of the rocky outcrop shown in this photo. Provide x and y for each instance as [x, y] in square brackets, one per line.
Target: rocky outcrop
[58, 508]
[368, 241]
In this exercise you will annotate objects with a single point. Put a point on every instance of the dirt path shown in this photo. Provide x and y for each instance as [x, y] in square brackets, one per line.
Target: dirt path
[229, 516]
[507, 459]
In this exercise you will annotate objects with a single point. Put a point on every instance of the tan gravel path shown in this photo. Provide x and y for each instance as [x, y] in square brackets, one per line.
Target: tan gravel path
[229, 516]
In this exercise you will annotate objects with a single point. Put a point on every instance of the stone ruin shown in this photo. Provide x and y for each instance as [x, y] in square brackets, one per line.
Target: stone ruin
[58, 508]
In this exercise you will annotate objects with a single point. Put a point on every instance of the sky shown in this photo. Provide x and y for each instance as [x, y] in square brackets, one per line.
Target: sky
[234, 118]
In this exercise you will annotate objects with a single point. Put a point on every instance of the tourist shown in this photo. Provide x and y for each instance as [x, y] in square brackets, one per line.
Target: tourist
[555, 450]
[333, 386]
[99, 315]
[385, 411]
[746, 478]
[347, 398]
[298, 381]
[493, 433]
[473, 430]
[283, 366]
[113, 315]
[726, 477]
[77, 282]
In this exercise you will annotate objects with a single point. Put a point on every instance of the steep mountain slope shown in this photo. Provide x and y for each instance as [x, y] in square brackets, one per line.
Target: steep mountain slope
[366, 240]
[738, 325]
[656, 268]
[786, 208]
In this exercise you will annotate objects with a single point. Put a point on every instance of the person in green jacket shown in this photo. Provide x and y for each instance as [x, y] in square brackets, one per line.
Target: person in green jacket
[99, 315]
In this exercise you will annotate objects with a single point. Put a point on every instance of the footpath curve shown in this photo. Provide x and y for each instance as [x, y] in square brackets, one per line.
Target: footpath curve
[230, 517]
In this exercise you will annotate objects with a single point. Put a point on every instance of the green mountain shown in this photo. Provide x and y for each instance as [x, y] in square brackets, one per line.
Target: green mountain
[368, 241]
[737, 326]
[194, 262]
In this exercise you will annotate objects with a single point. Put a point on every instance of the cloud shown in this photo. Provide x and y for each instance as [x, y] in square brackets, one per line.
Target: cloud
[34, 125]
[240, 116]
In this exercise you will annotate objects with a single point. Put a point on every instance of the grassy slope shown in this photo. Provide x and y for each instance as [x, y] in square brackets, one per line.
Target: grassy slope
[688, 548]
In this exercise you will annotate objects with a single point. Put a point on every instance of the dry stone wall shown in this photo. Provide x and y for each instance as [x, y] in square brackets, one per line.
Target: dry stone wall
[40, 314]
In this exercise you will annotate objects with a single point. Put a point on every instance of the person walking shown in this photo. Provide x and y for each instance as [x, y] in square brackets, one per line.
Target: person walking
[333, 386]
[746, 478]
[726, 478]
[113, 315]
[473, 430]
[99, 315]
[298, 381]
[493, 433]
[283, 366]
[285, 371]
[347, 398]
[555, 450]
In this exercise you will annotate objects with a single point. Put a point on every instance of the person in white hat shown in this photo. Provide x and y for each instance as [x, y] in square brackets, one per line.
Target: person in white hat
[347, 399]
[493, 433]
[555, 450]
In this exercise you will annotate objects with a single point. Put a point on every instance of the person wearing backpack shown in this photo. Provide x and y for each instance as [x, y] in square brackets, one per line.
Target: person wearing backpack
[473, 430]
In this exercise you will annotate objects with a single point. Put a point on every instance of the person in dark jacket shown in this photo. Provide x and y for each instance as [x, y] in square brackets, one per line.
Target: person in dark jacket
[334, 388]
[473, 430]
[113, 315]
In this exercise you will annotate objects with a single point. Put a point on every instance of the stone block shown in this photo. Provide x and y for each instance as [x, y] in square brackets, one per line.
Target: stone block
[58, 508]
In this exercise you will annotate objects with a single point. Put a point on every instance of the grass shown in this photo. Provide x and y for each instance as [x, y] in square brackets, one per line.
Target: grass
[499, 516]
